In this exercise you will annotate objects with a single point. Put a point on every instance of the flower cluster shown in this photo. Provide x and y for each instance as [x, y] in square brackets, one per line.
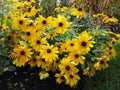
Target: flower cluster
[52, 44]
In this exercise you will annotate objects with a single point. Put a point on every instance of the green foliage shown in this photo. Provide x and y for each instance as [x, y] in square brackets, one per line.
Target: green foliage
[107, 79]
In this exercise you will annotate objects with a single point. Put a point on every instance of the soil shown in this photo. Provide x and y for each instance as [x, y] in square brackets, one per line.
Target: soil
[28, 79]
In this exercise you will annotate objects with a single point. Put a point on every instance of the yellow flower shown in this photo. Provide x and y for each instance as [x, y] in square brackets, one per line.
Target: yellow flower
[89, 71]
[23, 55]
[29, 34]
[41, 62]
[99, 15]
[102, 63]
[44, 22]
[49, 52]
[31, 11]
[51, 35]
[78, 12]
[67, 67]
[29, 2]
[110, 19]
[77, 57]
[19, 23]
[37, 42]
[43, 75]
[60, 78]
[72, 44]
[61, 24]
[61, 8]
[33, 61]
[85, 43]
[72, 80]
[110, 52]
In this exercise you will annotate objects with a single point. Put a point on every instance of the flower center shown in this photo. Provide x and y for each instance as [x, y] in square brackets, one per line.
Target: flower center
[71, 76]
[76, 55]
[22, 52]
[44, 21]
[67, 67]
[29, 9]
[43, 60]
[38, 41]
[34, 59]
[79, 9]
[60, 24]
[71, 44]
[48, 50]
[31, 24]
[28, 0]
[20, 22]
[83, 44]
[61, 6]
[101, 62]
[28, 33]
[62, 78]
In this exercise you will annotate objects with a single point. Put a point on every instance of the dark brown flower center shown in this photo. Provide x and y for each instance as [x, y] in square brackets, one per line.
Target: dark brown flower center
[44, 21]
[31, 24]
[79, 9]
[76, 56]
[43, 60]
[22, 52]
[28, 0]
[62, 78]
[48, 50]
[71, 44]
[20, 22]
[71, 76]
[34, 59]
[61, 6]
[60, 24]
[83, 43]
[101, 62]
[28, 33]
[29, 9]
[38, 41]
[67, 67]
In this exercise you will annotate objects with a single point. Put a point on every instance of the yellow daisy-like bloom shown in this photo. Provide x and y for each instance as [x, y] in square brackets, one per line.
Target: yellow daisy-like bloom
[31, 11]
[66, 67]
[88, 71]
[38, 42]
[54, 66]
[102, 63]
[41, 62]
[112, 33]
[78, 12]
[72, 45]
[60, 78]
[61, 24]
[19, 23]
[77, 57]
[29, 34]
[29, 2]
[85, 43]
[99, 15]
[61, 8]
[110, 52]
[30, 25]
[110, 19]
[49, 52]
[43, 75]
[51, 35]
[72, 80]
[44, 22]
[32, 61]
[23, 55]
[111, 42]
